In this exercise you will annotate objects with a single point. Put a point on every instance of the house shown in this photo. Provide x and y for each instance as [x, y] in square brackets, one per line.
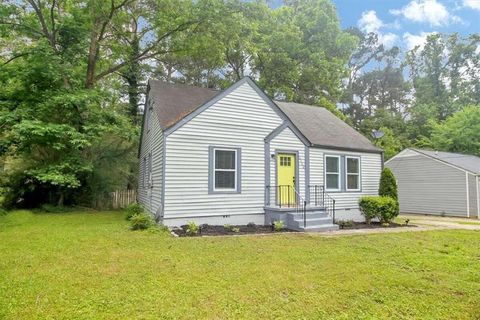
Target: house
[235, 157]
[438, 183]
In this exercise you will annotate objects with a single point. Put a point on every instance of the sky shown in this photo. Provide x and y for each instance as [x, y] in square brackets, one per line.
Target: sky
[407, 23]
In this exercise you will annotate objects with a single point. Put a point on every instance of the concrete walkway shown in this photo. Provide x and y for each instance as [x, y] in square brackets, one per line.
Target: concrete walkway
[418, 222]
[447, 222]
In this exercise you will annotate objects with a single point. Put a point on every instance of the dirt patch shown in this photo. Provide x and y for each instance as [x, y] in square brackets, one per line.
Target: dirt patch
[208, 230]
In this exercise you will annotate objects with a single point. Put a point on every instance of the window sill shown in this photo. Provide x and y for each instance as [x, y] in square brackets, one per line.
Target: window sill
[223, 191]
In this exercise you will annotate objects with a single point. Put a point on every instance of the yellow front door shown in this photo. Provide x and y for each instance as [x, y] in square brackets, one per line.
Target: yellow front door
[286, 179]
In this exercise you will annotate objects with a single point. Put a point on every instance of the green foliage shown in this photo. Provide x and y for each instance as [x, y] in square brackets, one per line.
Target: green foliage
[64, 143]
[278, 225]
[231, 228]
[345, 224]
[3, 212]
[388, 184]
[383, 208]
[192, 228]
[132, 210]
[459, 133]
[141, 221]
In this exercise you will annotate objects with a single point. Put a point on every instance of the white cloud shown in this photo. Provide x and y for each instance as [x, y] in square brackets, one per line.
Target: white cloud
[472, 4]
[428, 11]
[388, 39]
[369, 22]
[414, 40]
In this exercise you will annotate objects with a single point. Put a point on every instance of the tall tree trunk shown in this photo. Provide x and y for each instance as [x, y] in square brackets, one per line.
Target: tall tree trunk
[92, 59]
[132, 76]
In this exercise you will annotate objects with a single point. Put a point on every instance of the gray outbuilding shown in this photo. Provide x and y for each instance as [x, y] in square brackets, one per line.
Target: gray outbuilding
[437, 183]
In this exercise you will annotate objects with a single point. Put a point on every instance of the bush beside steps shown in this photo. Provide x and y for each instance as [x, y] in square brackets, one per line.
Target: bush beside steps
[385, 207]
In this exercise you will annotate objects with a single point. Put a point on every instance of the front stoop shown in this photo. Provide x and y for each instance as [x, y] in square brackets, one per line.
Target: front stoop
[316, 221]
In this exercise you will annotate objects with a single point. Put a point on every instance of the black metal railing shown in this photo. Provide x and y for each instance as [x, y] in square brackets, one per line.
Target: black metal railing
[287, 196]
[320, 198]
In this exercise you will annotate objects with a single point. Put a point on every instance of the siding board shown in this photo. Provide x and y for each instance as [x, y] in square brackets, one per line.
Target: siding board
[427, 186]
[242, 119]
[370, 166]
[150, 197]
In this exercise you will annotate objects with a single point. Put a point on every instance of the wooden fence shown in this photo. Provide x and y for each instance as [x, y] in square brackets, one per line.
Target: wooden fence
[122, 198]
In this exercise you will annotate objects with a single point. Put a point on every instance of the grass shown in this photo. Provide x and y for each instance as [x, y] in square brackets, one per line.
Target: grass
[83, 265]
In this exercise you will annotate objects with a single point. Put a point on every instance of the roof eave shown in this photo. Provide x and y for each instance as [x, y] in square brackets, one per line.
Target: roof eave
[379, 151]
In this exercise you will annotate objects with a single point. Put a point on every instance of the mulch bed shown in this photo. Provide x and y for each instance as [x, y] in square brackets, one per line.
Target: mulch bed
[373, 225]
[208, 230]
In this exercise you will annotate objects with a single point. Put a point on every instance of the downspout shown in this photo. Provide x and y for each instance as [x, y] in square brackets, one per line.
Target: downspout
[468, 194]
[478, 196]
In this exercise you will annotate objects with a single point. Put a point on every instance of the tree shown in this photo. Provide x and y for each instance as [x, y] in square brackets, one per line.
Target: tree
[388, 184]
[390, 143]
[303, 53]
[445, 75]
[458, 133]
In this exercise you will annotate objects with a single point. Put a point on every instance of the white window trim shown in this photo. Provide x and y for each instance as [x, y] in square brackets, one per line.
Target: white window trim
[353, 174]
[215, 189]
[339, 173]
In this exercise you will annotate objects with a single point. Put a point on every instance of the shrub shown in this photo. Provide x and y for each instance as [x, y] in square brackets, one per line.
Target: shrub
[3, 212]
[231, 228]
[132, 210]
[345, 224]
[192, 228]
[141, 221]
[278, 225]
[388, 185]
[383, 208]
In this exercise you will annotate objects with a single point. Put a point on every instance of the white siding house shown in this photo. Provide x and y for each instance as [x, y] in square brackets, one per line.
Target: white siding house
[437, 183]
[235, 157]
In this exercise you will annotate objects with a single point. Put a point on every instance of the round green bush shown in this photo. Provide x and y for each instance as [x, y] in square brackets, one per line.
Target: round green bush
[383, 208]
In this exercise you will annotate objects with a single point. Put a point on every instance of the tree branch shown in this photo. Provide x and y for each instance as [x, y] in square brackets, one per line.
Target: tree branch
[15, 57]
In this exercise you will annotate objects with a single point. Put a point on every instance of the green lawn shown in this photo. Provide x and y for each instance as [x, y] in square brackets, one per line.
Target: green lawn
[91, 266]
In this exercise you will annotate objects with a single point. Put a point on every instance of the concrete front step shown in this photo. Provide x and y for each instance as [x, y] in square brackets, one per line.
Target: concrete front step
[328, 227]
[315, 221]
[309, 215]
[311, 222]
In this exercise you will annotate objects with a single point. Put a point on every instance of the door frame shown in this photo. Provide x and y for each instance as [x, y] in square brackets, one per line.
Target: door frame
[295, 153]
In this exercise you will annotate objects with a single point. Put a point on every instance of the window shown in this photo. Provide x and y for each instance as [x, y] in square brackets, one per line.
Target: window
[225, 171]
[285, 161]
[352, 173]
[332, 172]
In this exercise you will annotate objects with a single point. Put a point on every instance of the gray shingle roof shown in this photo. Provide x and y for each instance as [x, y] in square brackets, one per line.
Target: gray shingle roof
[323, 128]
[464, 161]
[173, 102]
